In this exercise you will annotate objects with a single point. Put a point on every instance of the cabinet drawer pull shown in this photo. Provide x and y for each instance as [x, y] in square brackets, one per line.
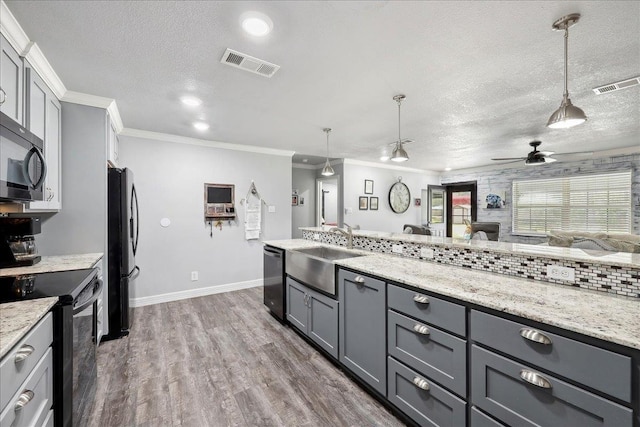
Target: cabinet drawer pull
[359, 280]
[24, 352]
[421, 329]
[535, 379]
[535, 336]
[422, 299]
[23, 400]
[421, 383]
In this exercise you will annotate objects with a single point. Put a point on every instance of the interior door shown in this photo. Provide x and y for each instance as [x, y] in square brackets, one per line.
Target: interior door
[461, 207]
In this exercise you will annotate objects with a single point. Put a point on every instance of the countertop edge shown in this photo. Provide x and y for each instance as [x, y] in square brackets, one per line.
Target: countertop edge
[16, 320]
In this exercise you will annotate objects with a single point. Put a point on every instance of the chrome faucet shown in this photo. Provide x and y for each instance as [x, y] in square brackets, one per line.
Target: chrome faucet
[348, 233]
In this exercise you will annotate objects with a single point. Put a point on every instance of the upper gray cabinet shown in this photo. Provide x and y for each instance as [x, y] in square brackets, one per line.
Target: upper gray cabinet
[11, 81]
[43, 117]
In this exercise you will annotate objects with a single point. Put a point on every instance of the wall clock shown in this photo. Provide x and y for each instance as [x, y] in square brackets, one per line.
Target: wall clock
[399, 197]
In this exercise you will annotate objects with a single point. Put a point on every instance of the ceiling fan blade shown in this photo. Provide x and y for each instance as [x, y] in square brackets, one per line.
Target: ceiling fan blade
[576, 153]
[546, 153]
[509, 158]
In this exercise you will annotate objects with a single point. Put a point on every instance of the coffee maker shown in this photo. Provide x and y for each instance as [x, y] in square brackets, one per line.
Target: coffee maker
[17, 245]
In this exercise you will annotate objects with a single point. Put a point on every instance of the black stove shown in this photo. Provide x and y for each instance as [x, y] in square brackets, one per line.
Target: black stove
[67, 285]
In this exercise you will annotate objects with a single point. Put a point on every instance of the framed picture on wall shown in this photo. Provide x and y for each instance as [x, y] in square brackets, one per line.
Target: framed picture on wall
[368, 186]
[373, 203]
[364, 203]
[294, 200]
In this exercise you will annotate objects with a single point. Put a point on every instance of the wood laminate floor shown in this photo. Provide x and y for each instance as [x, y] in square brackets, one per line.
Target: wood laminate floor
[222, 360]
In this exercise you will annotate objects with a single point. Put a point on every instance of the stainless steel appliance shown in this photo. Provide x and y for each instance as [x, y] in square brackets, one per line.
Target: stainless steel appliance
[74, 340]
[274, 292]
[123, 227]
[22, 165]
[17, 245]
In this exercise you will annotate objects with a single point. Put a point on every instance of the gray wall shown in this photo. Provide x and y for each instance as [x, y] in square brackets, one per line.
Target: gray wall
[303, 180]
[500, 180]
[170, 179]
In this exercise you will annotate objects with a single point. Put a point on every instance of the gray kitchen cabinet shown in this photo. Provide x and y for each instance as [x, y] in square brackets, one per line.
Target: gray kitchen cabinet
[43, 117]
[424, 401]
[314, 314]
[518, 394]
[362, 327]
[11, 81]
[26, 389]
[480, 419]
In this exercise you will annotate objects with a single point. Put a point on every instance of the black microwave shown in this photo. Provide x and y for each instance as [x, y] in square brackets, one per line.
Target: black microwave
[22, 165]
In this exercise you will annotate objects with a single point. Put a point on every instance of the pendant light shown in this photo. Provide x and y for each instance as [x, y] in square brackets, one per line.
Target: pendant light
[567, 115]
[327, 170]
[399, 153]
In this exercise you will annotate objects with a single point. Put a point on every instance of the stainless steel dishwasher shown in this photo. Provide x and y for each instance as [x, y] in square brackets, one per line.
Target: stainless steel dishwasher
[274, 292]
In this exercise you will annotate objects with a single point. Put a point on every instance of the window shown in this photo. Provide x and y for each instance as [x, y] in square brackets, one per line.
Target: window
[578, 203]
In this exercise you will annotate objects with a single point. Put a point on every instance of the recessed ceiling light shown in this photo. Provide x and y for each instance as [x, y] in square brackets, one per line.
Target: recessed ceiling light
[447, 169]
[256, 23]
[202, 126]
[191, 101]
[305, 160]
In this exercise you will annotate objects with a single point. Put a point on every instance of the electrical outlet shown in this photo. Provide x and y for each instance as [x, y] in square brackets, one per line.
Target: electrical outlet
[272, 209]
[348, 211]
[316, 236]
[557, 272]
[396, 249]
[426, 253]
[194, 276]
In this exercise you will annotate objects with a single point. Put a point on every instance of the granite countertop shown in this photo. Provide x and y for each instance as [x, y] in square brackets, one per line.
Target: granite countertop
[599, 315]
[50, 264]
[17, 318]
[621, 259]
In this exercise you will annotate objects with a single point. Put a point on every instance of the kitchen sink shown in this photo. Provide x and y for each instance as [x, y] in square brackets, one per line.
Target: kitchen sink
[315, 266]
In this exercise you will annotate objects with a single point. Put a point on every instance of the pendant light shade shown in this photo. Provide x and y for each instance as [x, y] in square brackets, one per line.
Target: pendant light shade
[399, 153]
[327, 170]
[568, 115]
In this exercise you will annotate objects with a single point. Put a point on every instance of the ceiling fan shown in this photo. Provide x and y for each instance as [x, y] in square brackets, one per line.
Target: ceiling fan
[536, 157]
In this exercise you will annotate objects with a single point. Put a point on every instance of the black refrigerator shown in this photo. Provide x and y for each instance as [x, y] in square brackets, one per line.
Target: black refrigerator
[123, 228]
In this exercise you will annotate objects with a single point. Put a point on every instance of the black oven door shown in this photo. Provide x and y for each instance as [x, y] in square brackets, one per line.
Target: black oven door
[22, 164]
[85, 374]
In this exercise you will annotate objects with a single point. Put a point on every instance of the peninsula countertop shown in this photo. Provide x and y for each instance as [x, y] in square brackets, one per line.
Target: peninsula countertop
[17, 318]
[50, 264]
[607, 317]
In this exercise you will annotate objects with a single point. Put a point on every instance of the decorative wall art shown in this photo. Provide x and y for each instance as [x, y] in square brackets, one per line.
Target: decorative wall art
[368, 186]
[294, 200]
[495, 200]
[417, 202]
[373, 203]
[364, 203]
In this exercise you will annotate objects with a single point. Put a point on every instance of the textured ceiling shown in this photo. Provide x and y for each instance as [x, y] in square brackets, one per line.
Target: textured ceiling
[481, 77]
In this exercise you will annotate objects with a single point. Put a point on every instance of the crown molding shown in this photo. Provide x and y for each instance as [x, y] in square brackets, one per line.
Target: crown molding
[12, 31]
[96, 101]
[165, 137]
[388, 166]
[40, 63]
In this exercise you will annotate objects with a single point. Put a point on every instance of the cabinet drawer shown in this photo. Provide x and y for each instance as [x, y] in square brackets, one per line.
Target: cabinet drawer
[20, 361]
[479, 419]
[600, 369]
[39, 386]
[497, 388]
[432, 407]
[430, 351]
[444, 314]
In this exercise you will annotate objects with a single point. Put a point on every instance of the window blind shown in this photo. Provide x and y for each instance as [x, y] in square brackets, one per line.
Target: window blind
[579, 203]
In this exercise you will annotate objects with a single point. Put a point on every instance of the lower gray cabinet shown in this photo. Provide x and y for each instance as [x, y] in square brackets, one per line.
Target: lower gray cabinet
[314, 314]
[363, 348]
[518, 395]
[480, 419]
[424, 401]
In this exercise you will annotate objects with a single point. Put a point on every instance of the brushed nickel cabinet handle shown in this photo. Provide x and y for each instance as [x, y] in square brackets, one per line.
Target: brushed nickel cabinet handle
[23, 400]
[535, 379]
[24, 352]
[421, 383]
[359, 279]
[535, 336]
[306, 300]
[422, 299]
[421, 329]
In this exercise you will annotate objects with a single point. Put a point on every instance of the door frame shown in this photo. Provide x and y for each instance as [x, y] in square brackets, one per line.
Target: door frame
[471, 186]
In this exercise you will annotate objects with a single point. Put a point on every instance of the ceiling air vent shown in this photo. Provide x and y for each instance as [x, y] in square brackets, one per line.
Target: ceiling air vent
[612, 87]
[249, 63]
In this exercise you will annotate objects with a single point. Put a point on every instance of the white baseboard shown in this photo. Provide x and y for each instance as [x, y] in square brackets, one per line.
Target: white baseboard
[192, 293]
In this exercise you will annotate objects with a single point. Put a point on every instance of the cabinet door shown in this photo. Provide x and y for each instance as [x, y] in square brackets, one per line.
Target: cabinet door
[362, 327]
[297, 309]
[11, 81]
[35, 119]
[323, 322]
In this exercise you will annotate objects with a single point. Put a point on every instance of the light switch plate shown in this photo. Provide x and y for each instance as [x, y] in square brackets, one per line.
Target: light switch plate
[426, 253]
[558, 272]
[194, 276]
[272, 209]
[348, 211]
[396, 249]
